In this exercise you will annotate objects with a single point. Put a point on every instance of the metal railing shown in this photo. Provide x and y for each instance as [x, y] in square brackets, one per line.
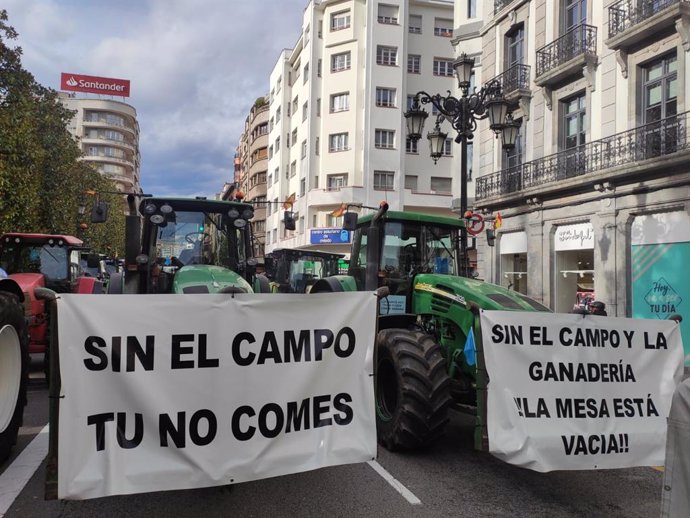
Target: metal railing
[515, 78]
[628, 13]
[500, 4]
[578, 40]
[653, 140]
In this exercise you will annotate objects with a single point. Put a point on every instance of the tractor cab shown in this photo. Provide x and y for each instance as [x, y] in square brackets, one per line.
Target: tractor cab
[192, 246]
[296, 271]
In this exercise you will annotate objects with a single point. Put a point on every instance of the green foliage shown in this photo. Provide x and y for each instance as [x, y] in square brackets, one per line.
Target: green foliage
[41, 176]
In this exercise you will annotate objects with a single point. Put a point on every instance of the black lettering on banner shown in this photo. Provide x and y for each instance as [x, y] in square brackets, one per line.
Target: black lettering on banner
[269, 349]
[134, 348]
[523, 407]
[340, 404]
[236, 430]
[91, 346]
[581, 408]
[578, 372]
[319, 409]
[135, 441]
[339, 351]
[178, 433]
[298, 346]
[116, 353]
[659, 344]
[297, 417]
[279, 420]
[240, 360]
[323, 339]
[204, 360]
[509, 335]
[99, 420]
[598, 444]
[178, 350]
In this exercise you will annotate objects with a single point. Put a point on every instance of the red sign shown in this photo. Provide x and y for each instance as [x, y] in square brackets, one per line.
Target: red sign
[94, 85]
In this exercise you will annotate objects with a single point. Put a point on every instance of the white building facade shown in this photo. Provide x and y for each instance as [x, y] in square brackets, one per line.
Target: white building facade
[595, 199]
[108, 134]
[336, 125]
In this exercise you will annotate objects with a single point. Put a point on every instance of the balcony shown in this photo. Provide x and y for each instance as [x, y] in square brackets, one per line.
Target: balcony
[631, 22]
[634, 155]
[567, 55]
[515, 85]
[500, 4]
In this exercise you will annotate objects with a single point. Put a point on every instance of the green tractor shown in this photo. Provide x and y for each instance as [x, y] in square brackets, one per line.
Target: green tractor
[188, 245]
[293, 270]
[428, 324]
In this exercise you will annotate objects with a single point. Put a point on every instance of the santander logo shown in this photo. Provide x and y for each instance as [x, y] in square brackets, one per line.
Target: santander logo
[95, 84]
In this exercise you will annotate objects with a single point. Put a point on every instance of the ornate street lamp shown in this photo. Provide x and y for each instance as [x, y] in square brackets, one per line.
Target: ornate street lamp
[463, 114]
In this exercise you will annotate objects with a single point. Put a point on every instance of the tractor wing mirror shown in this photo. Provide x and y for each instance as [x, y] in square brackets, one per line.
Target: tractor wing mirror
[350, 221]
[99, 212]
[289, 220]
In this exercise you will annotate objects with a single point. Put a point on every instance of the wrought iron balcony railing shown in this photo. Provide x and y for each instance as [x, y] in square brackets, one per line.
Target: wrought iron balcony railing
[500, 4]
[653, 140]
[578, 40]
[515, 78]
[628, 13]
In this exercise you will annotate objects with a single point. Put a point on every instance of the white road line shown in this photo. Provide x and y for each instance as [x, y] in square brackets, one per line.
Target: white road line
[406, 493]
[15, 477]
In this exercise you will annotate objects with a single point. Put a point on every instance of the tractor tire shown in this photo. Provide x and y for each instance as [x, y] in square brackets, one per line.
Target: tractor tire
[412, 389]
[14, 370]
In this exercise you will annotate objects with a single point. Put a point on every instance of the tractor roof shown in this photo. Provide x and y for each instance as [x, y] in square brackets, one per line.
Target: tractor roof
[195, 204]
[417, 217]
[40, 239]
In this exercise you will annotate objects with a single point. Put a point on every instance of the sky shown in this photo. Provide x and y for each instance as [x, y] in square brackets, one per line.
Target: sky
[196, 67]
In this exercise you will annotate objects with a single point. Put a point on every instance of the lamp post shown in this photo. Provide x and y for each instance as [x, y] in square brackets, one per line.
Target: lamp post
[463, 114]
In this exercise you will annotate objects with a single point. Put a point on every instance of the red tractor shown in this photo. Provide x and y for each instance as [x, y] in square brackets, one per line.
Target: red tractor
[29, 262]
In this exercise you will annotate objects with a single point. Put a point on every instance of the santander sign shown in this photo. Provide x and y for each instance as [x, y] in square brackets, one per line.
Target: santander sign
[94, 85]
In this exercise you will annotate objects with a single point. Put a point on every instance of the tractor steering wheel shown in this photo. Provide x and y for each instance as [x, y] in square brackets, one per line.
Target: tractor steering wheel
[189, 239]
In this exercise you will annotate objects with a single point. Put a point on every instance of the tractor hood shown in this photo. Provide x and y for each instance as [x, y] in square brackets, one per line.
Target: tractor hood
[208, 279]
[448, 289]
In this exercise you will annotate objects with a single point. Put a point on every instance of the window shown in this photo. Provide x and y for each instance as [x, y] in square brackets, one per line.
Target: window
[513, 157]
[304, 148]
[334, 222]
[383, 180]
[289, 110]
[294, 137]
[340, 62]
[287, 139]
[415, 24]
[412, 146]
[293, 168]
[317, 145]
[336, 181]
[319, 66]
[319, 29]
[306, 74]
[270, 181]
[318, 107]
[340, 20]
[278, 83]
[471, 8]
[338, 142]
[574, 121]
[659, 88]
[385, 97]
[301, 225]
[388, 14]
[414, 63]
[575, 13]
[295, 104]
[305, 111]
[411, 182]
[270, 124]
[448, 147]
[443, 27]
[302, 186]
[270, 151]
[515, 44]
[340, 102]
[443, 67]
[440, 185]
[410, 101]
[384, 139]
[386, 55]
[277, 144]
[278, 115]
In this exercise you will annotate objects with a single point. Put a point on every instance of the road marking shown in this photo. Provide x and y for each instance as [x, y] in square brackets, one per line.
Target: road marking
[406, 493]
[17, 474]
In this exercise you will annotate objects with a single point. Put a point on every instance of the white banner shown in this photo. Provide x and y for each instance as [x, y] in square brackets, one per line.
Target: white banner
[163, 392]
[569, 391]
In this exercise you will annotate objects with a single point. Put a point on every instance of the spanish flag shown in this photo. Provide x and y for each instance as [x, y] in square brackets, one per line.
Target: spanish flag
[498, 222]
[339, 211]
[287, 204]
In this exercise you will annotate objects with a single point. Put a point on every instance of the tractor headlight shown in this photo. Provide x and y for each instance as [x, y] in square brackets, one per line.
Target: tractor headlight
[150, 208]
[234, 213]
[247, 214]
[142, 259]
[166, 209]
[157, 219]
[240, 223]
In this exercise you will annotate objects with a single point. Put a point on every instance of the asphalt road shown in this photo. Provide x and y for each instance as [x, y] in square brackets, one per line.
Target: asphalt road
[450, 479]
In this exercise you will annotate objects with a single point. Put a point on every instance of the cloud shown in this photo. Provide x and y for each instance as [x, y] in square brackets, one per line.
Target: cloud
[195, 70]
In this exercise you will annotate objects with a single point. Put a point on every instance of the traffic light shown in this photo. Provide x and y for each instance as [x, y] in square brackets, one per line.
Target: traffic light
[99, 212]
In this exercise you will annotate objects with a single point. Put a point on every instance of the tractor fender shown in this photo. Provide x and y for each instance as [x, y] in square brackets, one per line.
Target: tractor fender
[336, 283]
[11, 286]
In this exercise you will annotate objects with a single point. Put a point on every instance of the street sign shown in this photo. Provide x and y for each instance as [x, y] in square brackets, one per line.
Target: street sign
[329, 236]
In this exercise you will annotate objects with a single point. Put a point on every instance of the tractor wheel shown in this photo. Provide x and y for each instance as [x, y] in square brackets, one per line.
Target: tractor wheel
[14, 370]
[412, 389]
